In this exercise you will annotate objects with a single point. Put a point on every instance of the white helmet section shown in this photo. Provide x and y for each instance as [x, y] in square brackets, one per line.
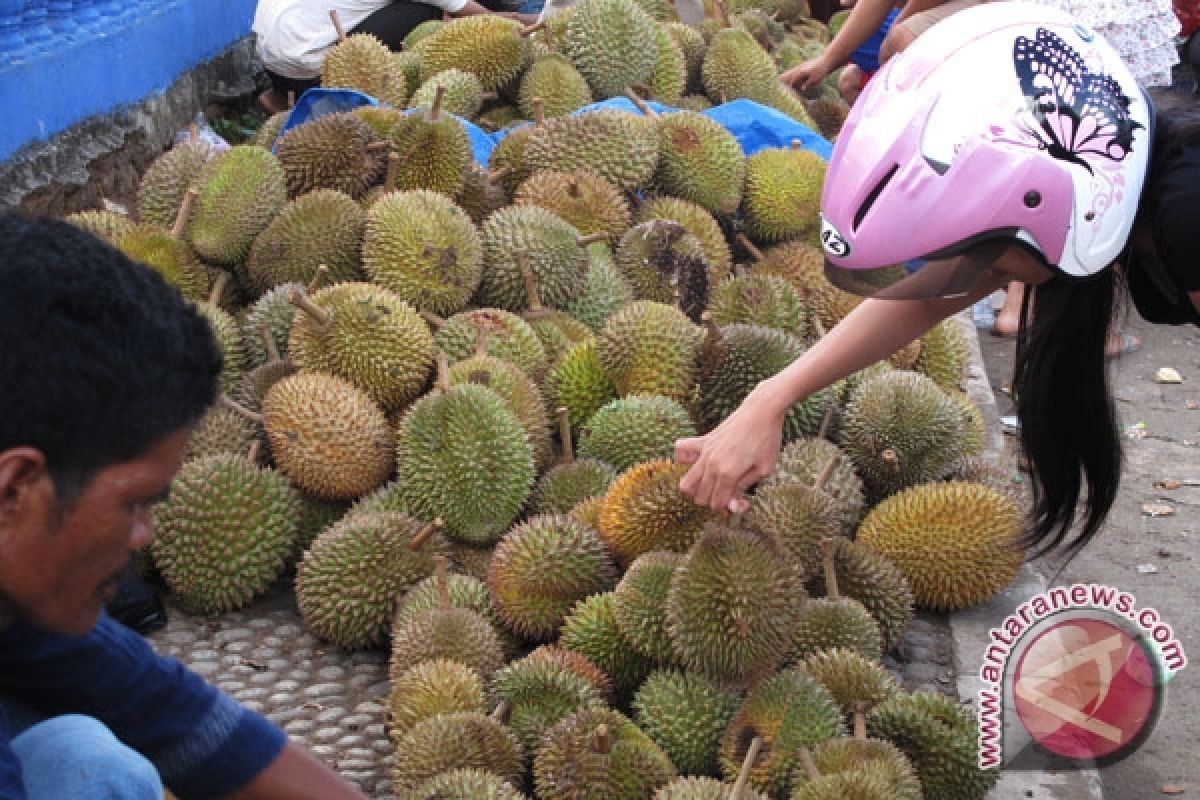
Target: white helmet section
[1003, 120]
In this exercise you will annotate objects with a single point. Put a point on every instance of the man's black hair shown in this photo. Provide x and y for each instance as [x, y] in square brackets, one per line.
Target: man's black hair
[100, 358]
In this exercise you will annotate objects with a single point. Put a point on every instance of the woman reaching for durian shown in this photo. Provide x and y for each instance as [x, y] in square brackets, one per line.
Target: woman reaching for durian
[1007, 143]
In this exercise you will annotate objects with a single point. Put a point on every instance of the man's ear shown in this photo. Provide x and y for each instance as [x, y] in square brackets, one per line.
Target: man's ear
[23, 477]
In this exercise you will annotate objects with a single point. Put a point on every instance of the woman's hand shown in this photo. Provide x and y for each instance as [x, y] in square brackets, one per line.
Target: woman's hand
[807, 76]
[737, 454]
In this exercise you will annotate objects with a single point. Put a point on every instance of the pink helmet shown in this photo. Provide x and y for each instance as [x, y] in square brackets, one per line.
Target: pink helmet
[1004, 122]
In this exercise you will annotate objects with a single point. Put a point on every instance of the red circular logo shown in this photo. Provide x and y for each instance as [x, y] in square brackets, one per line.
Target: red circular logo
[1086, 689]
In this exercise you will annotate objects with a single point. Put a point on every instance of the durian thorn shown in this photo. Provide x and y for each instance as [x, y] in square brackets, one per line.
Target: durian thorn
[891, 461]
[602, 741]
[440, 566]
[480, 342]
[826, 421]
[432, 319]
[252, 453]
[502, 711]
[393, 167]
[529, 30]
[819, 326]
[564, 433]
[860, 721]
[539, 112]
[193, 132]
[724, 98]
[747, 765]
[442, 383]
[592, 238]
[810, 766]
[269, 345]
[319, 279]
[291, 99]
[751, 248]
[241, 410]
[436, 108]
[321, 316]
[828, 548]
[740, 270]
[218, 288]
[184, 213]
[827, 470]
[337, 25]
[375, 147]
[425, 534]
[531, 290]
[641, 104]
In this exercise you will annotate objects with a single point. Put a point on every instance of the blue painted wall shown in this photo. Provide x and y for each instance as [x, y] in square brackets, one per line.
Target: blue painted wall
[101, 58]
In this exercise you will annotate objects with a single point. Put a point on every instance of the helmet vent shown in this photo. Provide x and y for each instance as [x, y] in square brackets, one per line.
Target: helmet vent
[873, 196]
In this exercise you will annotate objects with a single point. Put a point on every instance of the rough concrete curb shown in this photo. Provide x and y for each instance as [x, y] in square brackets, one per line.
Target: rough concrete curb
[970, 627]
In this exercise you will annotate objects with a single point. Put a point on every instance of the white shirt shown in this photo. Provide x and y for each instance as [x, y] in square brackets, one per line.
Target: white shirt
[294, 35]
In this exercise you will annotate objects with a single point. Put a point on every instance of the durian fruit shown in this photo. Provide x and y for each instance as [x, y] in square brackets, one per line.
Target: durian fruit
[619, 146]
[694, 102]
[328, 436]
[250, 390]
[551, 246]
[848, 785]
[323, 226]
[581, 198]
[570, 481]
[804, 461]
[224, 531]
[783, 193]
[164, 184]
[499, 118]
[350, 576]
[634, 429]
[508, 337]
[685, 714]
[222, 430]
[611, 43]
[940, 738]
[273, 312]
[650, 348]
[834, 621]
[422, 246]
[733, 604]
[434, 149]
[465, 591]
[901, 429]
[599, 754]
[853, 679]
[422, 30]
[541, 568]
[333, 151]
[955, 542]
[668, 81]
[591, 630]
[735, 65]
[691, 43]
[508, 156]
[604, 290]
[359, 61]
[473, 783]
[829, 110]
[588, 512]
[787, 711]
[579, 383]
[482, 192]
[460, 740]
[802, 264]
[944, 354]
[640, 604]
[316, 514]
[228, 336]
[975, 469]
[463, 455]
[406, 75]
[379, 118]
[268, 133]
[700, 161]
[766, 300]
[539, 694]
[975, 432]
[558, 330]
[437, 686]
[700, 224]
[240, 192]
[166, 253]
[858, 754]
[693, 788]
[644, 510]
[463, 92]
[801, 515]
[488, 45]
[874, 581]
[110, 226]
[663, 262]
[458, 634]
[366, 334]
[553, 78]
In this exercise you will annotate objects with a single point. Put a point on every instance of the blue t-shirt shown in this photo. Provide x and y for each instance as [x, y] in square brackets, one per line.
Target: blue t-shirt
[203, 743]
[866, 57]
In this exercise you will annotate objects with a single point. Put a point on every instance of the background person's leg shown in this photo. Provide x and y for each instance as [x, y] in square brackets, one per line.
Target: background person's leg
[393, 22]
[74, 757]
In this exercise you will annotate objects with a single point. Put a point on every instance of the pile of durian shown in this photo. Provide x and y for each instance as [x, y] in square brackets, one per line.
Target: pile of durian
[450, 398]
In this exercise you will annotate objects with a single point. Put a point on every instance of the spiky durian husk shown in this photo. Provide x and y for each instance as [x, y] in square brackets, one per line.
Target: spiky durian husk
[321, 227]
[508, 381]
[803, 461]
[826, 624]
[171, 258]
[458, 634]
[465, 591]
[224, 532]
[568, 765]
[581, 198]
[783, 194]
[481, 193]
[459, 740]
[240, 192]
[564, 486]
[604, 291]
[700, 224]
[509, 154]
[111, 226]
[668, 80]
[853, 679]
[847, 786]
[488, 45]
[700, 161]
[800, 516]
[222, 430]
[540, 694]
[588, 511]
[254, 384]
[644, 510]
[165, 182]
[500, 117]
[788, 710]
[611, 43]
[640, 604]
[229, 338]
[579, 383]
[874, 581]
[434, 153]
[473, 783]
[735, 65]
[559, 265]
[665, 263]
[634, 429]
[463, 93]
[650, 348]
[508, 337]
[576, 663]
[691, 43]
[591, 630]
[955, 542]
[618, 146]
[944, 354]
[273, 310]
[765, 300]
[361, 62]
[976, 469]
[331, 152]
[692, 788]
[686, 714]
[974, 428]
[877, 757]
[437, 686]
[553, 79]
[733, 605]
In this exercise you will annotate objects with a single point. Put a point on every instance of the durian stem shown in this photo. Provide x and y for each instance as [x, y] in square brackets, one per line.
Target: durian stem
[425, 534]
[237, 408]
[443, 582]
[319, 279]
[272, 349]
[532, 29]
[711, 329]
[432, 319]
[480, 342]
[502, 711]
[337, 25]
[375, 147]
[602, 742]
[830, 466]
[860, 721]
[549, 39]
[891, 462]
[539, 112]
[564, 433]
[319, 315]
[393, 167]
[490, 96]
[747, 765]
[252, 453]
[218, 289]
[641, 104]
[193, 132]
[185, 212]
[751, 248]
[442, 383]
[810, 766]
[436, 108]
[723, 14]
[819, 326]
[828, 547]
[591, 238]
[531, 290]
[291, 99]
[826, 421]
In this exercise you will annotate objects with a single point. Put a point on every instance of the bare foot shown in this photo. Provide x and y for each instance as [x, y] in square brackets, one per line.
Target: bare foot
[273, 100]
[1007, 322]
[1121, 344]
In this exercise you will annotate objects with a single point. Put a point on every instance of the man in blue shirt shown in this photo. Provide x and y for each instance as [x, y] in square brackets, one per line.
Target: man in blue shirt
[104, 370]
